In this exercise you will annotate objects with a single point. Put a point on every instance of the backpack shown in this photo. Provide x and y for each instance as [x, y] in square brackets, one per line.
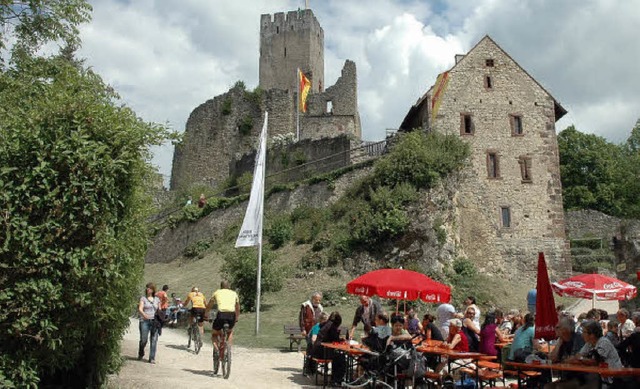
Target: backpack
[161, 316]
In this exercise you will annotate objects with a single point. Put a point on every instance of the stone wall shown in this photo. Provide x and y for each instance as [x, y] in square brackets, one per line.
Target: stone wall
[534, 203]
[335, 111]
[214, 134]
[317, 156]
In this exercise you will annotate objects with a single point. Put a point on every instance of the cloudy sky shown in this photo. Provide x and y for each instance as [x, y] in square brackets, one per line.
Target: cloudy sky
[167, 57]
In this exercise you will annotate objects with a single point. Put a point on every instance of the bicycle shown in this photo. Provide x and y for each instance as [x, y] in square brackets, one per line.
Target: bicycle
[222, 353]
[194, 334]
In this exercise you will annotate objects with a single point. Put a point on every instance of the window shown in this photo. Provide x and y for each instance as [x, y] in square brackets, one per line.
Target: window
[487, 82]
[488, 63]
[329, 107]
[493, 164]
[516, 125]
[525, 168]
[466, 124]
[505, 217]
[277, 30]
[285, 51]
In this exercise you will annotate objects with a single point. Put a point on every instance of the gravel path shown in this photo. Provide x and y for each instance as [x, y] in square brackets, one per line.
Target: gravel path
[179, 367]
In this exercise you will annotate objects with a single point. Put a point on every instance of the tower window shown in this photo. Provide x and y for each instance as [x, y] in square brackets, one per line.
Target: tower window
[505, 217]
[488, 62]
[493, 164]
[516, 125]
[277, 30]
[487, 82]
[329, 107]
[285, 51]
[525, 168]
[466, 124]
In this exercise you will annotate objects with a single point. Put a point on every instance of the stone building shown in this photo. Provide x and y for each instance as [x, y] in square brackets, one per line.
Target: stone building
[510, 202]
[223, 129]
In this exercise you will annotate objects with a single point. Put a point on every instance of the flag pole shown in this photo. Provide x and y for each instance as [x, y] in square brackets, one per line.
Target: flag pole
[251, 230]
[298, 106]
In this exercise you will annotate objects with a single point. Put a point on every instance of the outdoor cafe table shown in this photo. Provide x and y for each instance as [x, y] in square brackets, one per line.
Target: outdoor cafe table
[455, 357]
[603, 372]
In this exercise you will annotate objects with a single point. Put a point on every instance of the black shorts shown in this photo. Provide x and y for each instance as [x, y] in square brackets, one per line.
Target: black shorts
[222, 318]
[198, 313]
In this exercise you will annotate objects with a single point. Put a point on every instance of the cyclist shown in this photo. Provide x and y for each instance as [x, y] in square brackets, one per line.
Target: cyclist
[228, 311]
[198, 305]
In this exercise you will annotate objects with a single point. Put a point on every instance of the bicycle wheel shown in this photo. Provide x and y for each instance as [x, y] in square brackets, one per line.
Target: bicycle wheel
[197, 342]
[216, 360]
[226, 361]
[189, 332]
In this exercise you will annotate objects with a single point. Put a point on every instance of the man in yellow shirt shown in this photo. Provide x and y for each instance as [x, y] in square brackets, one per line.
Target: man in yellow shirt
[198, 305]
[228, 311]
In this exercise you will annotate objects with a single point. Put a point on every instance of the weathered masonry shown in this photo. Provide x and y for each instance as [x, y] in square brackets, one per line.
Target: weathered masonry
[510, 203]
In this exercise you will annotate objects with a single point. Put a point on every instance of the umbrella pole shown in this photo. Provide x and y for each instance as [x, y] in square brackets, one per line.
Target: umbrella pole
[593, 301]
[397, 305]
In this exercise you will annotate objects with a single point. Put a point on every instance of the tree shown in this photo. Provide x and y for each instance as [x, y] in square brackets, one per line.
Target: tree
[590, 168]
[33, 23]
[241, 268]
[73, 171]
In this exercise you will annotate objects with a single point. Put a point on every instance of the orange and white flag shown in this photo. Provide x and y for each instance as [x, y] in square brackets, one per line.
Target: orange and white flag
[440, 87]
[304, 86]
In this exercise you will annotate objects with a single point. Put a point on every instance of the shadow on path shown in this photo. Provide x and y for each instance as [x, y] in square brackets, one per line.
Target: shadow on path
[206, 373]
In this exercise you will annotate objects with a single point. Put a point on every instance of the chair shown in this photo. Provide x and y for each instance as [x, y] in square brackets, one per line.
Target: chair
[322, 365]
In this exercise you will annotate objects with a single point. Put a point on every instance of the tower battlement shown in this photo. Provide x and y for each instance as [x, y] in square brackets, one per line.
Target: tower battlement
[291, 41]
[290, 21]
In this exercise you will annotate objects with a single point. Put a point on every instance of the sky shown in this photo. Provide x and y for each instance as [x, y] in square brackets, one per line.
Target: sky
[165, 57]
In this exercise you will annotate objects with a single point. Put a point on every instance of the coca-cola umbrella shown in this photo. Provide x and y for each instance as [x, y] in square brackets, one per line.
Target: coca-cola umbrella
[546, 316]
[400, 284]
[595, 287]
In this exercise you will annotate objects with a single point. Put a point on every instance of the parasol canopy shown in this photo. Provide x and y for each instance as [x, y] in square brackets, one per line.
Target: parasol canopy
[595, 287]
[400, 284]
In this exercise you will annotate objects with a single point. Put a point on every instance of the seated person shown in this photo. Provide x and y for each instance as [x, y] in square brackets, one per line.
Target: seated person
[412, 323]
[523, 341]
[429, 329]
[311, 338]
[398, 334]
[629, 349]
[489, 334]
[330, 332]
[597, 349]
[380, 333]
[612, 332]
[470, 329]
[456, 341]
[569, 343]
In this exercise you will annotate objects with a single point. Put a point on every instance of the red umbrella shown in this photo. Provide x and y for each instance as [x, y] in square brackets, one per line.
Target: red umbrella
[546, 316]
[401, 285]
[595, 286]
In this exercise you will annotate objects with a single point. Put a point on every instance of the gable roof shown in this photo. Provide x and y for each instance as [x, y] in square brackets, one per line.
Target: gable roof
[558, 109]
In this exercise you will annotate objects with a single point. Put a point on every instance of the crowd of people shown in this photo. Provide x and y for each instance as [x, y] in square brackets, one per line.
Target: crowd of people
[590, 338]
[154, 311]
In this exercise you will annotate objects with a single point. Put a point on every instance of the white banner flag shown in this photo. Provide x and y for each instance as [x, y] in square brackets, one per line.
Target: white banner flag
[251, 231]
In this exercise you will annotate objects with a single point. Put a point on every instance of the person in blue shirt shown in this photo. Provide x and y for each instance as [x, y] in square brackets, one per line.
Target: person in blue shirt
[531, 301]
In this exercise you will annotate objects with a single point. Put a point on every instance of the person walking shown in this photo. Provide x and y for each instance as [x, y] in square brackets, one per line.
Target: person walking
[147, 308]
[365, 313]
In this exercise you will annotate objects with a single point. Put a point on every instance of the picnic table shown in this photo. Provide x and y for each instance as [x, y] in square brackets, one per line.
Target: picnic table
[602, 371]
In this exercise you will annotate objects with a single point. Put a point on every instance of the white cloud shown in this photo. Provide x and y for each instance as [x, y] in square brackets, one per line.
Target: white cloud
[166, 58]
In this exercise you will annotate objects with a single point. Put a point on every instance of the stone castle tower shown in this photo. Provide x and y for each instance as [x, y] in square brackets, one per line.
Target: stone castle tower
[510, 201]
[225, 128]
[288, 43]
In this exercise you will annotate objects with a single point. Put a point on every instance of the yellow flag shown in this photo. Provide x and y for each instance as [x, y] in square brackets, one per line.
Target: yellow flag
[441, 85]
[304, 86]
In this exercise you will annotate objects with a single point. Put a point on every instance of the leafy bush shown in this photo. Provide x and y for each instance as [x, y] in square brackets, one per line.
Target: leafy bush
[420, 159]
[314, 261]
[308, 223]
[255, 96]
[226, 106]
[244, 182]
[241, 268]
[245, 126]
[197, 249]
[279, 230]
[73, 235]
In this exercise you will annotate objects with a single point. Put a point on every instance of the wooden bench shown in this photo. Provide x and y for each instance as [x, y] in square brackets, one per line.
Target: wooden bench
[294, 334]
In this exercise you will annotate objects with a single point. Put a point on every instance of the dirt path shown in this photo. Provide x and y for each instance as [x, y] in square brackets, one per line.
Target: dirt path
[178, 367]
